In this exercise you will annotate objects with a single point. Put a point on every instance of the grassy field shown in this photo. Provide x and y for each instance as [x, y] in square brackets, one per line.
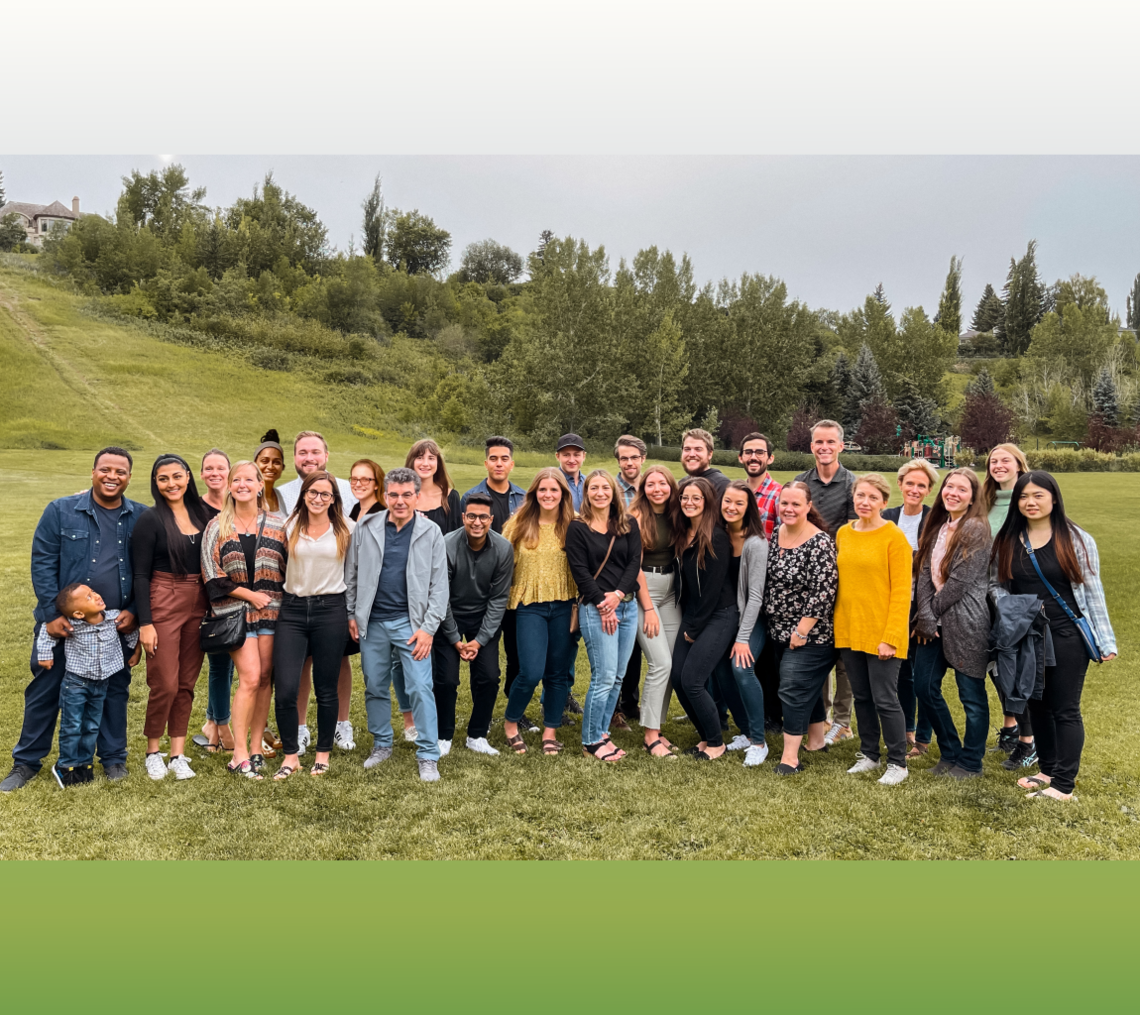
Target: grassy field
[71, 383]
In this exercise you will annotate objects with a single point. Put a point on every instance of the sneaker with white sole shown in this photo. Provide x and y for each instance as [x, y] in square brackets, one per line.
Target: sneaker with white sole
[343, 735]
[739, 743]
[480, 745]
[410, 734]
[155, 767]
[429, 771]
[444, 748]
[864, 765]
[893, 775]
[304, 738]
[180, 766]
[378, 755]
[837, 733]
[756, 754]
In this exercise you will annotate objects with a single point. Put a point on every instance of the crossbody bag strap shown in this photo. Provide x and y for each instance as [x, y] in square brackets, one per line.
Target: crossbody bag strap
[1045, 581]
[609, 550]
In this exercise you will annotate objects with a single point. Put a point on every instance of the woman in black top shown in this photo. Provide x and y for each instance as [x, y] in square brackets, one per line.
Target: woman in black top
[603, 548]
[438, 499]
[166, 548]
[709, 616]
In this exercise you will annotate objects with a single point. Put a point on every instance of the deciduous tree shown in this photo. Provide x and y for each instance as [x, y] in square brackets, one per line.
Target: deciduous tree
[415, 241]
[372, 227]
[488, 261]
[986, 421]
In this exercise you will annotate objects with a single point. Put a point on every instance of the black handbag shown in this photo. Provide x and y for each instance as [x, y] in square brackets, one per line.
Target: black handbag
[224, 634]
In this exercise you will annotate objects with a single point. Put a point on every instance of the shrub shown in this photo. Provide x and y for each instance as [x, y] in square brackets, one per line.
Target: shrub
[348, 375]
[271, 359]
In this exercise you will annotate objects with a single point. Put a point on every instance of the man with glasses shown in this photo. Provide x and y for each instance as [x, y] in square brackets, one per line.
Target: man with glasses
[480, 565]
[397, 597]
[630, 453]
[756, 456]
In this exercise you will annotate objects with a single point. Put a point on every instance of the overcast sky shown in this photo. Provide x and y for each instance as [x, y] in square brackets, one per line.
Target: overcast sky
[832, 227]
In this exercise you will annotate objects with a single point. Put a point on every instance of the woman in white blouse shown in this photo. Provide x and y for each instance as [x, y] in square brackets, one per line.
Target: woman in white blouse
[313, 619]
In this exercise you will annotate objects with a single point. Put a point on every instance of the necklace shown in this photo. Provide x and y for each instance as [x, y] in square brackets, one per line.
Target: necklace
[243, 527]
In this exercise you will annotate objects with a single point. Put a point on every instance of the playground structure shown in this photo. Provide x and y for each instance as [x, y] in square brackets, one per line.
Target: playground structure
[939, 451]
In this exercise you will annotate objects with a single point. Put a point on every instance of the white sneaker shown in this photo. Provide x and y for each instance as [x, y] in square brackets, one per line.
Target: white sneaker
[893, 775]
[343, 736]
[444, 748]
[180, 766]
[410, 734]
[480, 746]
[303, 739]
[864, 765]
[756, 754]
[155, 767]
[739, 743]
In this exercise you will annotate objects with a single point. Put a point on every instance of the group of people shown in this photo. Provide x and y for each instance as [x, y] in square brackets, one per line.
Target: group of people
[741, 597]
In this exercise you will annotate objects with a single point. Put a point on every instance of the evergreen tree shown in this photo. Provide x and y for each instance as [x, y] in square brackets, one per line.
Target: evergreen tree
[865, 386]
[4, 199]
[878, 429]
[841, 383]
[950, 305]
[373, 225]
[982, 384]
[990, 312]
[1104, 398]
[1024, 302]
[543, 239]
[1134, 416]
[1133, 300]
[916, 415]
[881, 297]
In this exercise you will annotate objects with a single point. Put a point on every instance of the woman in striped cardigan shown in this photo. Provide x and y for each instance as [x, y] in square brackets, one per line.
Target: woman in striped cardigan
[243, 566]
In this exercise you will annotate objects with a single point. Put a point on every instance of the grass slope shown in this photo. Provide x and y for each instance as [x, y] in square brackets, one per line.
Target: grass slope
[76, 384]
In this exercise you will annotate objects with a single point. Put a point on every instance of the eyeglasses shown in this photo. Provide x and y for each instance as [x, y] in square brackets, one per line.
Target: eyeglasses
[477, 519]
[629, 459]
[360, 481]
[318, 495]
[753, 454]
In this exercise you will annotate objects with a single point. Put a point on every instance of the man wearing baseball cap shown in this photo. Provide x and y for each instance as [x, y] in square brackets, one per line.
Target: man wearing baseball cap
[571, 453]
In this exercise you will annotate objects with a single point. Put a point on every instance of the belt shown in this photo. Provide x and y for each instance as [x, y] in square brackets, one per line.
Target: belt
[667, 569]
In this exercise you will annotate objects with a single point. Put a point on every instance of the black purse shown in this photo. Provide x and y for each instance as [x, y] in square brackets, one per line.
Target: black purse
[224, 634]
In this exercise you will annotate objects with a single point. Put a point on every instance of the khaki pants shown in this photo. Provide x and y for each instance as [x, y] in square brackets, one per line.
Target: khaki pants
[838, 703]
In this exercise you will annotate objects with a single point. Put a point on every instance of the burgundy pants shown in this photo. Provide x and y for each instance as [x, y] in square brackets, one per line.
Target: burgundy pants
[177, 606]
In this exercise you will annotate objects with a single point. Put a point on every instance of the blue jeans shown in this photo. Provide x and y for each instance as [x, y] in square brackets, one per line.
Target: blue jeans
[41, 707]
[384, 651]
[221, 682]
[544, 645]
[930, 667]
[741, 689]
[609, 656]
[918, 724]
[80, 714]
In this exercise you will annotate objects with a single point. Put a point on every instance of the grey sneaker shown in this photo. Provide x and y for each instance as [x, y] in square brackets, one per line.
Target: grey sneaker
[863, 765]
[959, 773]
[378, 755]
[18, 778]
[429, 771]
[893, 775]
[941, 768]
[116, 771]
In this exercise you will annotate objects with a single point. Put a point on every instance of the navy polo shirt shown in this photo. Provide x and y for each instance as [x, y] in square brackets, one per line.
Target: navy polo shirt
[391, 601]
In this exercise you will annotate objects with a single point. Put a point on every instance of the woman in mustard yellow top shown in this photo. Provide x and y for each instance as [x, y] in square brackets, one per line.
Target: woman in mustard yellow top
[871, 616]
[542, 596]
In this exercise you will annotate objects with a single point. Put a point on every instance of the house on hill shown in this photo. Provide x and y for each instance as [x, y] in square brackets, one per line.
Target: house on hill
[40, 219]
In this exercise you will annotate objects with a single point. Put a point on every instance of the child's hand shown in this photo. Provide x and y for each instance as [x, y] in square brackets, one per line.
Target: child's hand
[135, 655]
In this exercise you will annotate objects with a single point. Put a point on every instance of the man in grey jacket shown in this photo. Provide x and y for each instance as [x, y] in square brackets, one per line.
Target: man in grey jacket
[397, 596]
[480, 565]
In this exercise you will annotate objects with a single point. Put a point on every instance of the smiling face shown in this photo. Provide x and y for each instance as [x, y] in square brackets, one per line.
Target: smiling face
[363, 483]
[656, 488]
[548, 494]
[172, 480]
[630, 461]
[695, 455]
[826, 445]
[957, 494]
[692, 502]
[869, 501]
[309, 455]
[477, 521]
[499, 463]
[271, 464]
[915, 486]
[733, 507]
[215, 469]
[794, 506]
[1002, 468]
[110, 478]
[600, 494]
[755, 458]
[245, 484]
[1035, 502]
[424, 466]
[318, 498]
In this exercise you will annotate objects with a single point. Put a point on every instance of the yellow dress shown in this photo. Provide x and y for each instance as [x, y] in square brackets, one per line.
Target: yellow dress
[542, 575]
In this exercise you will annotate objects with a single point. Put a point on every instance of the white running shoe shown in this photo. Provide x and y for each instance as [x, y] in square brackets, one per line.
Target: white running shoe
[155, 767]
[863, 765]
[756, 754]
[739, 743]
[410, 734]
[837, 732]
[303, 739]
[444, 748]
[343, 736]
[893, 775]
[480, 746]
[180, 766]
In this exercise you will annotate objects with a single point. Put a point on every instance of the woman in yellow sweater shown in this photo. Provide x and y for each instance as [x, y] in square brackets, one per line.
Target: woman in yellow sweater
[871, 616]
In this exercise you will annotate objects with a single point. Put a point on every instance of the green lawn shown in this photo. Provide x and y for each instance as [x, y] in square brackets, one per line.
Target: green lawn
[74, 383]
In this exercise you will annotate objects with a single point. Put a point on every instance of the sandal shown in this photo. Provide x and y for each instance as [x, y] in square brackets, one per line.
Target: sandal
[704, 756]
[1034, 782]
[917, 750]
[267, 749]
[257, 762]
[243, 768]
[283, 772]
[594, 750]
[552, 747]
[659, 743]
[517, 744]
[782, 769]
[319, 768]
[271, 739]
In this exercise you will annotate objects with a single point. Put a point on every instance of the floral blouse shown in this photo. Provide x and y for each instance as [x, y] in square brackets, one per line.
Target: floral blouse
[801, 582]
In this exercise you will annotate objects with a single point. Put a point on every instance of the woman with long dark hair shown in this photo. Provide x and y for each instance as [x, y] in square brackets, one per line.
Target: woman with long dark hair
[952, 622]
[438, 499]
[799, 601]
[270, 461]
[1040, 552]
[657, 508]
[314, 618]
[166, 547]
[709, 616]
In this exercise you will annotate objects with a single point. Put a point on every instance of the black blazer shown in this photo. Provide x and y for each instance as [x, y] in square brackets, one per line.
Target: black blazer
[893, 515]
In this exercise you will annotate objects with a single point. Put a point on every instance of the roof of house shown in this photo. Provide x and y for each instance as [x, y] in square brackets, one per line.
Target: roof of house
[33, 211]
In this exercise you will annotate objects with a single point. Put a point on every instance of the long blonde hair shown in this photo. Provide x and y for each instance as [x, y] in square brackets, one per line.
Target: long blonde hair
[617, 521]
[300, 516]
[990, 488]
[523, 527]
[226, 525]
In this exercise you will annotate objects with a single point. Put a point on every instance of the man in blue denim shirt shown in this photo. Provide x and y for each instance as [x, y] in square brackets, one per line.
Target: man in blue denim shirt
[83, 538]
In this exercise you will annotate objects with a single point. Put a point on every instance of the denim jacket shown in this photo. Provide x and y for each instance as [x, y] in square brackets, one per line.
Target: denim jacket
[515, 494]
[62, 546]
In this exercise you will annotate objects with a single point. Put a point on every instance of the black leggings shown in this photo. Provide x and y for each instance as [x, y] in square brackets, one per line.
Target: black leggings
[693, 665]
[1058, 727]
[314, 626]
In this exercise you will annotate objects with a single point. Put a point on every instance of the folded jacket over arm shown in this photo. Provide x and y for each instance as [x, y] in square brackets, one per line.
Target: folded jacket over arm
[1022, 646]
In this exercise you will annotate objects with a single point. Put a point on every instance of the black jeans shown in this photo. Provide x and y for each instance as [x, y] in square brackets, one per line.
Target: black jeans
[484, 682]
[509, 637]
[1024, 720]
[874, 685]
[768, 670]
[314, 626]
[1060, 729]
[803, 671]
[693, 666]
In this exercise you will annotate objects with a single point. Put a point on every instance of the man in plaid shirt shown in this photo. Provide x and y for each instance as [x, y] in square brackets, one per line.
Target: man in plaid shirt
[756, 455]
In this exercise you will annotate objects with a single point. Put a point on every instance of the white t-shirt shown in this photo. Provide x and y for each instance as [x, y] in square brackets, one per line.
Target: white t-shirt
[910, 525]
[314, 568]
[288, 493]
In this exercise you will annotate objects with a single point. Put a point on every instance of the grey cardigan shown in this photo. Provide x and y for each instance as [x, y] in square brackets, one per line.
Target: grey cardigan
[750, 588]
[960, 609]
[426, 572]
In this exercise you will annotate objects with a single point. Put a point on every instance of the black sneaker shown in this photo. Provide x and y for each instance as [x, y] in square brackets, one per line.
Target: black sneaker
[1007, 739]
[530, 725]
[573, 705]
[18, 778]
[62, 779]
[1022, 756]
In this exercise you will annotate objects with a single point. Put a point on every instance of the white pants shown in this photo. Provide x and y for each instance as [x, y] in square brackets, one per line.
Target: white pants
[658, 651]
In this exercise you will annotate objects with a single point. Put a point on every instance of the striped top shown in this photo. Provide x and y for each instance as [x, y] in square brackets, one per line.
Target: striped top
[224, 569]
